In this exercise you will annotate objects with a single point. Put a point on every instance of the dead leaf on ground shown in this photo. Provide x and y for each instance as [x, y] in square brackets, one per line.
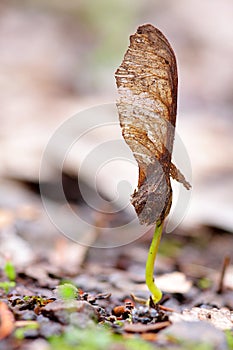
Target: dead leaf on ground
[174, 282]
[143, 328]
[7, 321]
[220, 318]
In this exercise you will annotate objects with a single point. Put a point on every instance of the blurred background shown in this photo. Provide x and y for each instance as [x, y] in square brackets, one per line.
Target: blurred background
[59, 57]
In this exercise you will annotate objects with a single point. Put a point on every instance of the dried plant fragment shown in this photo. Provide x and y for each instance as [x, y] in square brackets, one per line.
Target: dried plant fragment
[6, 321]
[147, 87]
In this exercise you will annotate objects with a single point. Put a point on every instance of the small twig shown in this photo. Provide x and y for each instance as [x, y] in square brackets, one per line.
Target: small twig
[142, 328]
[225, 264]
[151, 303]
[165, 308]
[24, 323]
[103, 296]
[139, 300]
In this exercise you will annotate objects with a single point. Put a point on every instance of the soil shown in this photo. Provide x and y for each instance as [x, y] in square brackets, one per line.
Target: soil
[107, 294]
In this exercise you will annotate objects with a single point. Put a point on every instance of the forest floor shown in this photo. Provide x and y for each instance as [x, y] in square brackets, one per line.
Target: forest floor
[96, 301]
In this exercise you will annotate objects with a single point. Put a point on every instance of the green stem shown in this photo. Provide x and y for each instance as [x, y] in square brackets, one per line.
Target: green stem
[156, 292]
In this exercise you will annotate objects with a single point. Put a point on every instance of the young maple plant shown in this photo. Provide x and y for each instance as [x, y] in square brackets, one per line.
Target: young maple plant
[147, 86]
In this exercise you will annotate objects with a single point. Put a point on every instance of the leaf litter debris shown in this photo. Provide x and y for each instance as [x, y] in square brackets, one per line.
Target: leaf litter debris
[57, 307]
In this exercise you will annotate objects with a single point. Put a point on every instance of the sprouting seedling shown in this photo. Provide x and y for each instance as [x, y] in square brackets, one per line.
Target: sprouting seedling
[9, 270]
[10, 274]
[67, 291]
[147, 86]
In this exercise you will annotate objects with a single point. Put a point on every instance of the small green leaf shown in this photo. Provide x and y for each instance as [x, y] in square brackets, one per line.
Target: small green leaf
[20, 332]
[67, 291]
[229, 338]
[95, 339]
[7, 285]
[204, 283]
[9, 270]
